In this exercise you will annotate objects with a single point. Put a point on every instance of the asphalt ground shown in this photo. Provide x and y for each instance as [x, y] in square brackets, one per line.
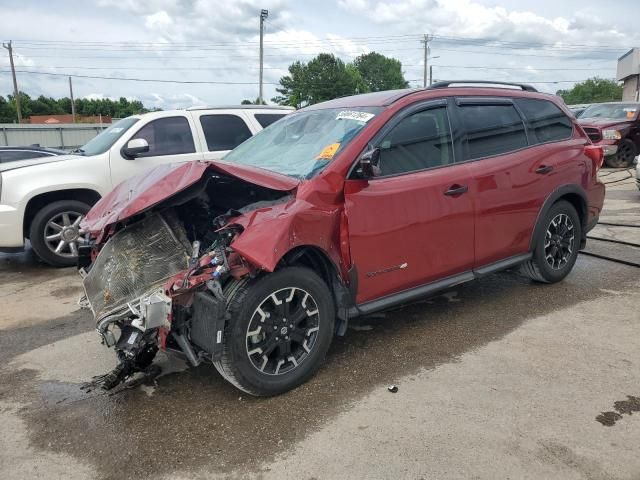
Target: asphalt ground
[497, 378]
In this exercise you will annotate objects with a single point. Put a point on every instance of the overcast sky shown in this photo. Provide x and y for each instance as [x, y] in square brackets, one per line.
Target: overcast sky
[217, 41]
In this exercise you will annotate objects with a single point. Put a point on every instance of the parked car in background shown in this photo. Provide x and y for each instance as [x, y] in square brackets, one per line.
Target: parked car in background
[45, 199]
[616, 127]
[341, 209]
[14, 154]
[578, 109]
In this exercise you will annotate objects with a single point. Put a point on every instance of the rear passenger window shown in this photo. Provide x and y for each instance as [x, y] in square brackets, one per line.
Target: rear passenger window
[547, 122]
[492, 129]
[266, 119]
[419, 141]
[224, 132]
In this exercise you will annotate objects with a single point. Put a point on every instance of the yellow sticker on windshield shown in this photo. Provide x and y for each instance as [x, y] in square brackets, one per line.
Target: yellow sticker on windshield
[328, 152]
[630, 113]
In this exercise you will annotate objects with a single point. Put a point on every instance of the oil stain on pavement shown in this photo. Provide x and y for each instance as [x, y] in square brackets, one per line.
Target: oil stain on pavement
[621, 407]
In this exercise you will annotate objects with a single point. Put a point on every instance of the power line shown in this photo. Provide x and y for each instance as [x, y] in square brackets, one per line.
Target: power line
[172, 67]
[332, 40]
[158, 80]
[220, 82]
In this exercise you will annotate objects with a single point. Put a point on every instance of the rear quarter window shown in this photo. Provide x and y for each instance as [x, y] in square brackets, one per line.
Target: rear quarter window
[546, 121]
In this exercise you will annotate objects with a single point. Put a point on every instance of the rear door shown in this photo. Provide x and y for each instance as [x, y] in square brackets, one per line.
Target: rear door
[519, 150]
[412, 224]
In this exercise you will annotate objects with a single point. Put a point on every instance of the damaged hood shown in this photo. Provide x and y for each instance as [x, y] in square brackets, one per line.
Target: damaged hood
[142, 192]
[604, 122]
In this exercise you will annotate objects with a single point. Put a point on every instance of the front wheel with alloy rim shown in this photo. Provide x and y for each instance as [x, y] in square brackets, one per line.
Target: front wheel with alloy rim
[556, 248]
[279, 330]
[55, 232]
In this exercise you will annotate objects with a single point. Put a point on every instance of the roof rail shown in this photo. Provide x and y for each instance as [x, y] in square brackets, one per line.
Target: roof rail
[242, 107]
[449, 83]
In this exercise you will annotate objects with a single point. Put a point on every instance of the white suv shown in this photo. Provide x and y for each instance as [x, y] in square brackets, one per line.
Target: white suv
[44, 199]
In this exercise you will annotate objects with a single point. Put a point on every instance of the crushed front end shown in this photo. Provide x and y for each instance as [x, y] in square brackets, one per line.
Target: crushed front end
[156, 280]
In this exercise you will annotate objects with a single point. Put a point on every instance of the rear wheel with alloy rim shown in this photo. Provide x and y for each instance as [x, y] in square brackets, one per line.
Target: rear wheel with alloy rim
[280, 329]
[55, 232]
[556, 249]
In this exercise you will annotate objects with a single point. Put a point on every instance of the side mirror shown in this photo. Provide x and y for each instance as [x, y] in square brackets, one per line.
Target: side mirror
[368, 164]
[135, 148]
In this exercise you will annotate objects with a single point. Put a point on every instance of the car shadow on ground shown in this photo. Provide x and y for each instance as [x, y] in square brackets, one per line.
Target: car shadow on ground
[195, 419]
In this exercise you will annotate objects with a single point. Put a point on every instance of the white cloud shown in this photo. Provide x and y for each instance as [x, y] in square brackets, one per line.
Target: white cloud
[472, 19]
[159, 19]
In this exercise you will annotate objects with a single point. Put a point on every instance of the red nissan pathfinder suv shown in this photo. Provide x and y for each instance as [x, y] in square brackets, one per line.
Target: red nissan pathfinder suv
[338, 210]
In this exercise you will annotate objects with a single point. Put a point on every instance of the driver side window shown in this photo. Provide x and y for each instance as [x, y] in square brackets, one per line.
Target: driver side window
[420, 141]
[167, 136]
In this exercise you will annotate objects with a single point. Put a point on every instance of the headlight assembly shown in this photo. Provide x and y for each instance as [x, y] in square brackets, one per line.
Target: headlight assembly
[611, 134]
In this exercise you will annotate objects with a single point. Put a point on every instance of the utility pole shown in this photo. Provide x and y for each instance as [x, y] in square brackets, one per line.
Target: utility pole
[15, 82]
[425, 41]
[430, 75]
[73, 107]
[263, 16]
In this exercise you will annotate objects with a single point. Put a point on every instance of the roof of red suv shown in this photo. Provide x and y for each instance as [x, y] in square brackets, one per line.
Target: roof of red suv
[387, 97]
[374, 99]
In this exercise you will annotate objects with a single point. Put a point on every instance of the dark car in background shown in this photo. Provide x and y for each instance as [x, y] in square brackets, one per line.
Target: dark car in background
[614, 126]
[12, 154]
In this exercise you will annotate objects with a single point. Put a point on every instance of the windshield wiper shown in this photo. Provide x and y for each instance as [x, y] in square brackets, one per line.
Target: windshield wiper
[78, 150]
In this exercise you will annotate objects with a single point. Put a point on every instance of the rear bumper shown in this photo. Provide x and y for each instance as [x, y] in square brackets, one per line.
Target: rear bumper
[11, 236]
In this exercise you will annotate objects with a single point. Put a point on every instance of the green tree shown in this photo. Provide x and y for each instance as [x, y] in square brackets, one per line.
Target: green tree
[323, 78]
[380, 72]
[7, 111]
[257, 101]
[593, 90]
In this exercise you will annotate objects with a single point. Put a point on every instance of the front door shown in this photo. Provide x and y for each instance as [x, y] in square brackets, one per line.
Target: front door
[170, 140]
[413, 223]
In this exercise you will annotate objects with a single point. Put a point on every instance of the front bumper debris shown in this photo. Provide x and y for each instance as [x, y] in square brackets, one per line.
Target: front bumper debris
[132, 267]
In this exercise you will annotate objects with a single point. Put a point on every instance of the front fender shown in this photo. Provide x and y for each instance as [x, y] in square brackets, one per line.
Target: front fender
[268, 234]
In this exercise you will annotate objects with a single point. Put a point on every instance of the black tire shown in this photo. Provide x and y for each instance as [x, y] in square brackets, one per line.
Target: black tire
[244, 297]
[623, 158]
[39, 227]
[539, 267]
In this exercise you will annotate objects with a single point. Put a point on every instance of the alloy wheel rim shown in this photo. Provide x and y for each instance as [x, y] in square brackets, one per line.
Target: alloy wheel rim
[283, 331]
[63, 235]
[559, 241]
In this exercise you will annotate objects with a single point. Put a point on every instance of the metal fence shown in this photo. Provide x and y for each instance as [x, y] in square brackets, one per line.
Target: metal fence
[61, 135]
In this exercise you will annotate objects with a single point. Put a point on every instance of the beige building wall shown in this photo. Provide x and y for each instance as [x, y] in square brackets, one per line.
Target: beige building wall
[630, 89]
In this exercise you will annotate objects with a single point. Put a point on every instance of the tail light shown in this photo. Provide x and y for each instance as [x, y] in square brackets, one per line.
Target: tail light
[595, 153]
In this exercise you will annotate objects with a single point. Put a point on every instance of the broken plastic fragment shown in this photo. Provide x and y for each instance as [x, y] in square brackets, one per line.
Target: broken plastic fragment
[393, 388]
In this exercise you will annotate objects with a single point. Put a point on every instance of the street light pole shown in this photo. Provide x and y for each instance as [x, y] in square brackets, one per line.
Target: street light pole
[263, 15]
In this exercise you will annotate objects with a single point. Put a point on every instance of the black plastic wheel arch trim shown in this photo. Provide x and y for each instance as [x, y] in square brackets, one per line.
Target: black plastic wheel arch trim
[553, 197]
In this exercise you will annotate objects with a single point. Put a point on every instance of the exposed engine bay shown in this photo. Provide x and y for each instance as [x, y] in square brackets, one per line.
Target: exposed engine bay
[159, 280]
